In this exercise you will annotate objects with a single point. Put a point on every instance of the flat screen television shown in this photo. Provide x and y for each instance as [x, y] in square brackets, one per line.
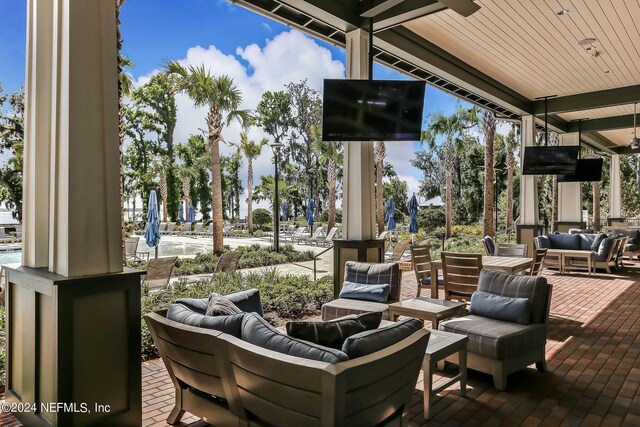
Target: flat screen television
[550, 160]
[587, 170]
[372, 110]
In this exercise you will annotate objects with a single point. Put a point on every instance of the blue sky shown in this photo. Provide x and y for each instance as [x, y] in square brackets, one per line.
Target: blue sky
[157, 30]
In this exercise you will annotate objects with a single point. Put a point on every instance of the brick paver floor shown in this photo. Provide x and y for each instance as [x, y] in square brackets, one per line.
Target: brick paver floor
[593, 355]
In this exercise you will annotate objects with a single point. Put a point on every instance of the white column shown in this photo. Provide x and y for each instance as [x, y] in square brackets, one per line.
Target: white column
[569, 193]
[358, 212]
[72, 67]
[528, 184]
[615, 202]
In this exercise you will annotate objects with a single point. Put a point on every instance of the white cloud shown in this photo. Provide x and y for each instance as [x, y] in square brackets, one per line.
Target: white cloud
[288, 57]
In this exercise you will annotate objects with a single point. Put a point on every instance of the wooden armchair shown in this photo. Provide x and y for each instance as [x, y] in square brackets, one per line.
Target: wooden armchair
[461, 273]
[421, 262]
[512, 249]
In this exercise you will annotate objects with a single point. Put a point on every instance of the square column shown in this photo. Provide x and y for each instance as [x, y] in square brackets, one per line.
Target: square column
[615, 188]
[569, 195]
[528, 226]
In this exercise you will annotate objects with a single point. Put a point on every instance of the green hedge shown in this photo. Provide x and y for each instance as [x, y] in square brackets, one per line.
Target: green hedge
[282, 296]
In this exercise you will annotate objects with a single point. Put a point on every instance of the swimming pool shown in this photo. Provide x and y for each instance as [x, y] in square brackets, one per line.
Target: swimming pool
[10, 256]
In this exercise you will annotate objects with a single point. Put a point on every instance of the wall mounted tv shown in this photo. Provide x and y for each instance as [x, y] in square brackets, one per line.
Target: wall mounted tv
[587, 170]
[372, 110]
[550, 160]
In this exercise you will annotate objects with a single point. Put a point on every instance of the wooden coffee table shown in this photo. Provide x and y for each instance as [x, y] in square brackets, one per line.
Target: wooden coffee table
[424, 308]
[442, 344]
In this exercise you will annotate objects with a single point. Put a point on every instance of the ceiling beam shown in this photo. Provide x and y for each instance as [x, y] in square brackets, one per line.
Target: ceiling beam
[406, 11]
[605, 123]
[590, 100]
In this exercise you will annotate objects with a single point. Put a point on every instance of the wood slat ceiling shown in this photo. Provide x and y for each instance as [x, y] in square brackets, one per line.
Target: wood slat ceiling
[619, 136]
[526, 46]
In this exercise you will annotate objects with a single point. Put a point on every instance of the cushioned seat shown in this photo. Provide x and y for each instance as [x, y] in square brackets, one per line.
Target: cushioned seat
[495, 338]
[427, 281]
[344, 307]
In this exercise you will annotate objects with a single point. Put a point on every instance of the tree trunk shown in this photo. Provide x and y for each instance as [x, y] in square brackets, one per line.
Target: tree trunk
[163, 195]
[449, 211]
[596, 205]
[510, 168]
[554, 202]
[489, 129]
[380, 153]
[331, 177]
[214, 121]
[250, 195]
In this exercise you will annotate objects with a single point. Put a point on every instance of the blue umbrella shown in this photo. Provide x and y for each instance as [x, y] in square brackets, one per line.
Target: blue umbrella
[390, 215]
[152, 235]
[181, 212]
[191, 216]
[413, 212]
[284, 211]
[310, 207]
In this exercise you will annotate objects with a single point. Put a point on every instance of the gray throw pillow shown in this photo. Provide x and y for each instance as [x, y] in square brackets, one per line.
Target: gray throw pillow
[365, 292]
[333, 333]
[514, 310]
[182, 313]
[368, 342]
[221, 306]
[596, 242]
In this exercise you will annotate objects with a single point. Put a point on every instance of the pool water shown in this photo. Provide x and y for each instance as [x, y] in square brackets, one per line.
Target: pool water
[10, 257]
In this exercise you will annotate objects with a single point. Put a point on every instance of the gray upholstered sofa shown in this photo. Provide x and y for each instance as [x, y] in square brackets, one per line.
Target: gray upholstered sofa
[632, 247]
[500, 347]
[238, 370]
[368, 274]
[604, 251]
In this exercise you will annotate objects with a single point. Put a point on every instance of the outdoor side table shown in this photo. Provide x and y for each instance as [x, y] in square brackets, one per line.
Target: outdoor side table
[424, 308]
[442, 344]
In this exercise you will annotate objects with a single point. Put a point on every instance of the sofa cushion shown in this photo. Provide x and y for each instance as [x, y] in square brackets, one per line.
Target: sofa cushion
[501, 308]
[605, 248]
[586, 240]
[633, 235]
[533, 288]
[374, 274]
[333, 333]
[231, 325]
[497, 339]
[221, 306]
[247, 301]
[596, 242]
[368, 342]
[365, 292]
[257, 331]
[564, 241]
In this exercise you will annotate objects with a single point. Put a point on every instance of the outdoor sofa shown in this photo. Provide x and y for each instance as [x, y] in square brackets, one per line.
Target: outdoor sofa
[507, 325]
[237, 370]
[603, 247]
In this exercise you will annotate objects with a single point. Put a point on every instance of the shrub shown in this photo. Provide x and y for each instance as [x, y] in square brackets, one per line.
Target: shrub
[261, 217]
[431, 218]
[283, 296]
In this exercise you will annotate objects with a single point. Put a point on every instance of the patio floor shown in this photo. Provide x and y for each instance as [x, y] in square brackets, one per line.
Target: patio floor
[593, 354]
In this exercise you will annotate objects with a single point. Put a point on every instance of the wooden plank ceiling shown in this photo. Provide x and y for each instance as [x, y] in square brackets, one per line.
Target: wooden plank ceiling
[527, 46]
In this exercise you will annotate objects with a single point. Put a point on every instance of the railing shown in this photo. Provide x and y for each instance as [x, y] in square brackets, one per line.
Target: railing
[315, 258]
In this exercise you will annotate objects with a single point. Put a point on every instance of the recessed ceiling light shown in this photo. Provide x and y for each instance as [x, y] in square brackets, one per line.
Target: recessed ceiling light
[585, 42]
[562, 12]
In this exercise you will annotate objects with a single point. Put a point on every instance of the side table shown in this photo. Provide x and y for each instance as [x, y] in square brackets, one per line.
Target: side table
[424, 308]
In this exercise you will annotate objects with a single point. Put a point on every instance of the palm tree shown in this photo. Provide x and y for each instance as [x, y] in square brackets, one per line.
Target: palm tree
[509, 144]
[488, 125]
[452, 128]
[380, 153]
[329, 153]
[251, 150]
[222, 97]
[163, 194]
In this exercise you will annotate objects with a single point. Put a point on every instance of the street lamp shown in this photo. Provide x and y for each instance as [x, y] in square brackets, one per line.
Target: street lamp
[276, 202]
[495, 200]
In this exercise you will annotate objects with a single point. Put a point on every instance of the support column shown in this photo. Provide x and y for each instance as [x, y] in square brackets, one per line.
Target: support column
[528, 226]
[615, 190]
[358, 241]
[569, 195]
[73, 315]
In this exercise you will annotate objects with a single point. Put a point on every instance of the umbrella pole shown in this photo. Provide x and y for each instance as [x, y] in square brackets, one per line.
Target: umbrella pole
[156, 251]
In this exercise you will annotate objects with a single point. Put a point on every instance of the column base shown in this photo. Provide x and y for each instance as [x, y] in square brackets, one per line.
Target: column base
[564, 226]
[611, 221]
[74, 347]
[525, 233]
[353, 250]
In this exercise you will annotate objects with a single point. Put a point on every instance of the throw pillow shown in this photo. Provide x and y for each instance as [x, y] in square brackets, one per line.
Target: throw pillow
[514, 310]
[596, 242]
[365, 292]
[221, 306]
[368, 342]
[181, 313]
[333, 333]
[255, 330]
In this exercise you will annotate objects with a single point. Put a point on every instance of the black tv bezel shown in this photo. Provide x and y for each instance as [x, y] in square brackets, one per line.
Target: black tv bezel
[559, 169]
[410, 136]
[582, 166]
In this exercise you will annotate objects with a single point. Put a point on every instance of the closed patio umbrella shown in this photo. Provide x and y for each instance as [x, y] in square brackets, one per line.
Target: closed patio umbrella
[284, 211]
[181, 212]
[191, 216]
[310, 208]
[390, 215]
[152, 235]
[413, 212]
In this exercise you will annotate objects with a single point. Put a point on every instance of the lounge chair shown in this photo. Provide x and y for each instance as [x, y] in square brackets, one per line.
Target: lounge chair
[328, 239]
[228, 262]
[317, 235]
[399, 250]
[197, 229]
[131, 250]
[7, 239]
[185, 231]
[170, 228]
[298, 235]
[161, 227]
[159, 272]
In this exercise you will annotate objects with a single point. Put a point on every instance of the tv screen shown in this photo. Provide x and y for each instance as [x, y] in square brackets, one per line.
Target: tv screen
[550, 160]
[372, 110]
[587, 170]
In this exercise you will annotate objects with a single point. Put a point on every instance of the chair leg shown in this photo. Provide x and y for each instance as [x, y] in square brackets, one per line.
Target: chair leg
[541, 365]
[175, 416]
[419, 289]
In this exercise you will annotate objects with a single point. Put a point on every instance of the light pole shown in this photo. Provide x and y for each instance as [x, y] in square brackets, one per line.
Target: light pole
[276, 202]
[495, 200]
